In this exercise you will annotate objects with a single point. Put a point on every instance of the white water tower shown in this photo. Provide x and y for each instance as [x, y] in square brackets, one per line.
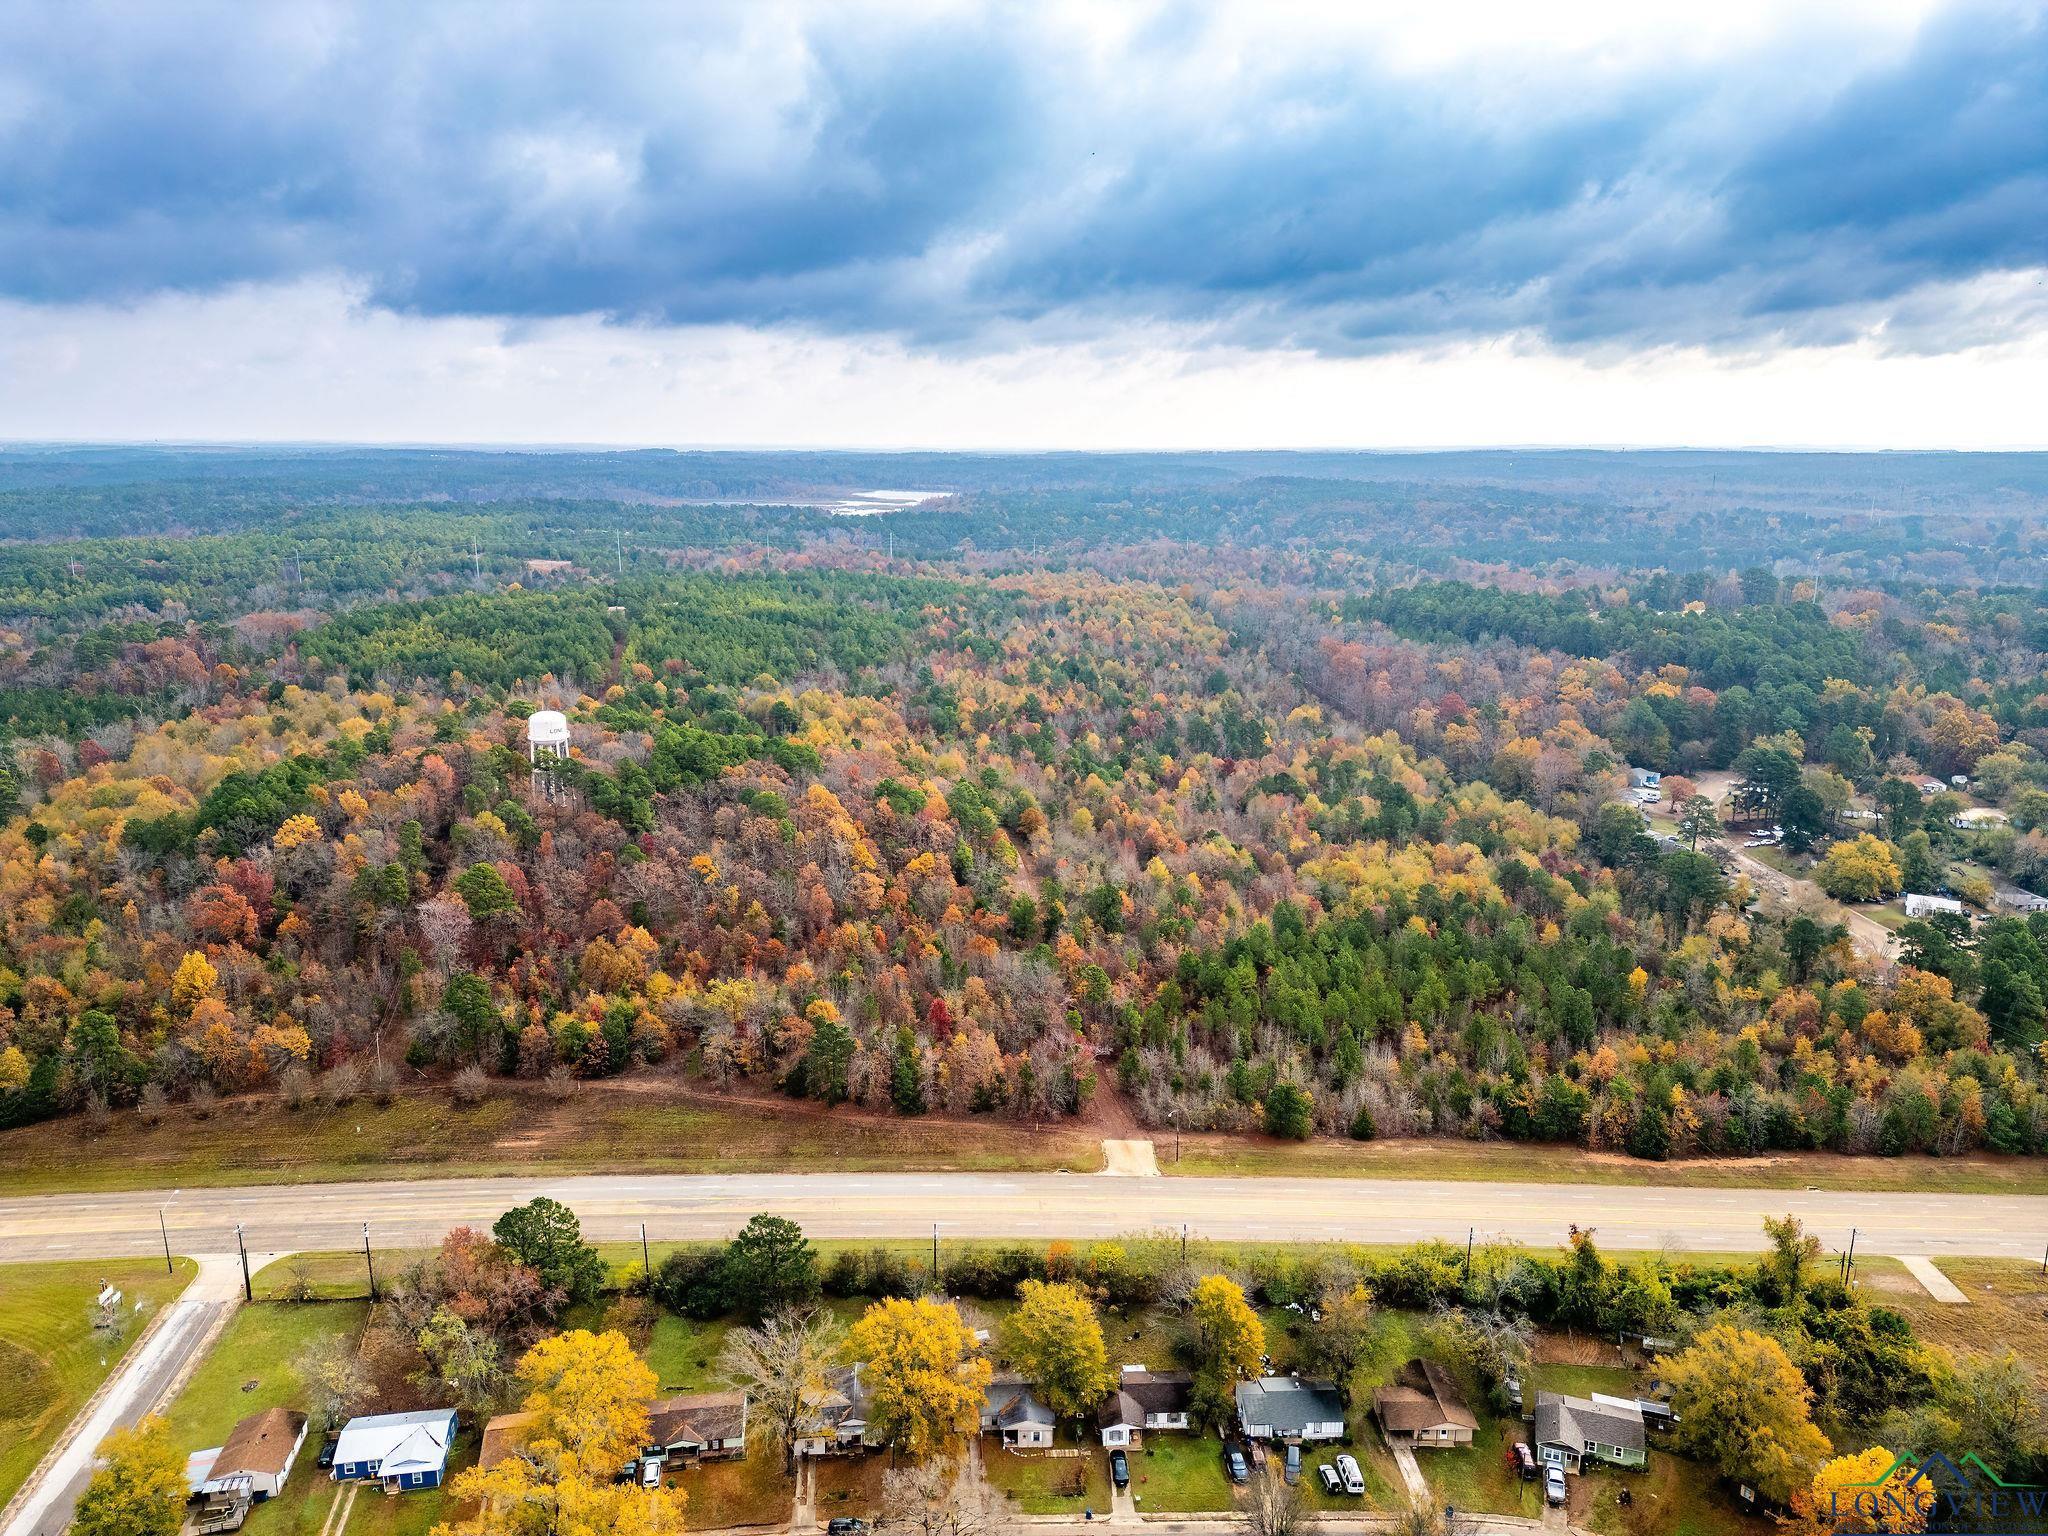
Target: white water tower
[547, 744]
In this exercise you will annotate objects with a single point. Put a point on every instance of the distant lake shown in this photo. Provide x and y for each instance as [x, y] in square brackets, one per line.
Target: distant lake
[867, 503]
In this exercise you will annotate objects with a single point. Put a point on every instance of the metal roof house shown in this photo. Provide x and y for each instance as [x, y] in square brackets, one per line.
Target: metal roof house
[1011, 1409]
[399, 1450]
[1290, 1408]
[1571, 1431]
[842, 1416]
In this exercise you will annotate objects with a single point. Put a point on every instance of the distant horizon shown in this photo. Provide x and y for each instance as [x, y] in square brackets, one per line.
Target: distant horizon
[886, 226]
[396, 445]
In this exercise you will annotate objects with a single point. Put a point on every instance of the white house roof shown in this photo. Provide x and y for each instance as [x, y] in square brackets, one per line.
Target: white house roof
[398, 1442]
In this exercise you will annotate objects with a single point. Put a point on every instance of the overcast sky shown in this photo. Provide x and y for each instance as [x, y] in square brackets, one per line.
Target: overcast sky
[1039, 225]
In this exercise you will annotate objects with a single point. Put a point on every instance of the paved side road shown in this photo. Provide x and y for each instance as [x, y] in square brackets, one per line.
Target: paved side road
[151, 1370]
[407, 1213]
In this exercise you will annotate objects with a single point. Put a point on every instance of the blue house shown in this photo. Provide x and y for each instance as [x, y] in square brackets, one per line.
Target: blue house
[400, 1450]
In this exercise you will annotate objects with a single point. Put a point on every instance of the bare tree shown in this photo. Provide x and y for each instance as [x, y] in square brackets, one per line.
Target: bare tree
[932, 1498]
[1273, 1507]
[782, 1364]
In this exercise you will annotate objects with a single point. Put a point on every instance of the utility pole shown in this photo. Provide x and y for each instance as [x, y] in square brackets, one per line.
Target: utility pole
[166, 1231]
[1176, 1135]
[935, 1253]
[1470, 1233]
[1183, 1244]
[248, 1286]
[369, 1264]
[1849, 1258]
[646, 1263]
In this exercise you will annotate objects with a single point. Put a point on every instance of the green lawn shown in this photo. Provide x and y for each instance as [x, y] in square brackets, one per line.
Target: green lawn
[1584, 1380]
[1384, 1490]
[684, 1355]
[255, 1365]
[50, 1359]
[1179, 1474]
[1041, 1484]
[1477, 1476]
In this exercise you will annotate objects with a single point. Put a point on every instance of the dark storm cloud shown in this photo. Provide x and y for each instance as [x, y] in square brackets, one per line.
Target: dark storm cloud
[948, 180]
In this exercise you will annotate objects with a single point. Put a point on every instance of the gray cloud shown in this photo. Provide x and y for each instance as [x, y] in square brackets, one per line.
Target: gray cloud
[950, 181]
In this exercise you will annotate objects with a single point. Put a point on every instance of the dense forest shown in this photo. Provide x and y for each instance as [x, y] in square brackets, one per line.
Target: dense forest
[1277, 793]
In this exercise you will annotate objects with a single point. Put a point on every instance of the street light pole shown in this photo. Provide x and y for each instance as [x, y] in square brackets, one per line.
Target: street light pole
[166, 1231]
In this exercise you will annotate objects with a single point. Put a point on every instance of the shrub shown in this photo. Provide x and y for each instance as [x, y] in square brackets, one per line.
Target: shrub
[470, 1086]
[202, 1101]
[153, 1104]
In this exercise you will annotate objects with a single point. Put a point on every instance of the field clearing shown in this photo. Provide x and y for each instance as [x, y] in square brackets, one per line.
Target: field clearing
[50, 1360]
[1527, 1163]
[613, 1127]
[654, 1126]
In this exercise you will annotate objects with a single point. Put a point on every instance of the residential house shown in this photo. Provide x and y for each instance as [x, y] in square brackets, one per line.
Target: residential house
[699, 1426]
[504, 1438]
[1290, 1408]
[1423, 1408]
[1645, 778]
[400, 1450]
[842, 1425]
[1012, 1410]
[1926, 906]
[1570, 1431]
[1144, 1400]
[257, 1456]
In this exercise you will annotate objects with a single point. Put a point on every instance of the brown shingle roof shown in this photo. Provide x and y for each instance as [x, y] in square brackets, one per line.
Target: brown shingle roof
[699, 1417]
[1421, 1397]
[503, 1436]
[261, 1444]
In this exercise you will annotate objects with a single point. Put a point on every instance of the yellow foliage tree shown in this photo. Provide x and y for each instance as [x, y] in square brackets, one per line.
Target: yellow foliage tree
[1229, 1341]
[139, 1489]
[1745, 1410]
[195, 979]
[1861, 868]
[924, 1379]
[588, 1395]
[1057, 1343]
[296, 832]
[1869, 1491]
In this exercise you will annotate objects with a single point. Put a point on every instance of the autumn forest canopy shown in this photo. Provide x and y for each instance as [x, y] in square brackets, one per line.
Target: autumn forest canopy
[1299, 794]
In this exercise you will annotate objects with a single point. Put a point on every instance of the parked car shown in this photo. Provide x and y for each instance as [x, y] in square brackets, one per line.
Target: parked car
[327, 1451]
[1234, 1465]
[650, 1473]
[1119, 1469]
[845, 1526]
[1353, 1479]
[1292, 1470]
[1553, 1484]
[1332, 1483]
[1525, 1461]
